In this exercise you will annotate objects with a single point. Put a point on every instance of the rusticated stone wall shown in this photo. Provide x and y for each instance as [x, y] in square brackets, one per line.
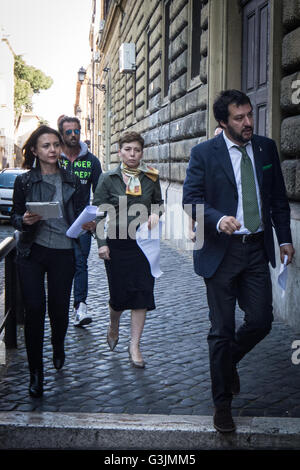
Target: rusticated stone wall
[172, 124]
[290, 98]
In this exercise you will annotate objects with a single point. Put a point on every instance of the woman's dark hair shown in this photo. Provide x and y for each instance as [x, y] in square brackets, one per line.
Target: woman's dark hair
[226, 98]
[131, 136]
[31, 143]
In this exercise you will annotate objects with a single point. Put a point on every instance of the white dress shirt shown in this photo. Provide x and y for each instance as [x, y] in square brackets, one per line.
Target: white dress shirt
[235, 156]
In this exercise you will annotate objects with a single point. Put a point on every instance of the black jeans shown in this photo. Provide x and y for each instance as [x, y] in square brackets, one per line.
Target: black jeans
[59, 265]
[242, 276]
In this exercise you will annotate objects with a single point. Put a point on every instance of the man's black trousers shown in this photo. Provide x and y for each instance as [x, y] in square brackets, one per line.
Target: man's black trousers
[243, 277]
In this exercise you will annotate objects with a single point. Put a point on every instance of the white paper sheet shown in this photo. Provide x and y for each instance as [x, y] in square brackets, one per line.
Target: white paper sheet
[48, 210]
[283, 275]
[149, 242]
[87, 215]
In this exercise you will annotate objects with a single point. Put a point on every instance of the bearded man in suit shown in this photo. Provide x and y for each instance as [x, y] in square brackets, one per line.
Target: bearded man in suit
[238, 178]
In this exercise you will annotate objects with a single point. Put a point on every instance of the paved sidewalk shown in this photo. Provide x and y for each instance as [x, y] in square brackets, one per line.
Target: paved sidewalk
[176, 379]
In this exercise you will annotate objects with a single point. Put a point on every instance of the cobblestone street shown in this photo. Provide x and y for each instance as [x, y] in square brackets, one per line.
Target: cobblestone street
[176, 379]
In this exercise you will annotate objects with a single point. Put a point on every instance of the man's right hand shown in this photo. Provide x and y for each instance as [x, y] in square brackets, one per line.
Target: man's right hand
[229, 225]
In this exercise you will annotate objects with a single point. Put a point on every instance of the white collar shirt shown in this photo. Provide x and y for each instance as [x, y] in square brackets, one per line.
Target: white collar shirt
[235, 156]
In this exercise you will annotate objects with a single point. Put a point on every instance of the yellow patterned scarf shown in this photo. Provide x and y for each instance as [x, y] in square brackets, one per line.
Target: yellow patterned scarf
[133, 186]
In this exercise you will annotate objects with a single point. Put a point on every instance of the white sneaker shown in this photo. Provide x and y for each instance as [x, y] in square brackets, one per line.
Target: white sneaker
[81, 317]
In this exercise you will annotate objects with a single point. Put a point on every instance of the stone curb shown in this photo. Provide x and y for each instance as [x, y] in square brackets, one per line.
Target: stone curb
[90, 431]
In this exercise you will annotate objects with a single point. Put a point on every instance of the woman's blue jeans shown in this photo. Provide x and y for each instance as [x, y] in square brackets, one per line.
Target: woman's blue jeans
[82, 251]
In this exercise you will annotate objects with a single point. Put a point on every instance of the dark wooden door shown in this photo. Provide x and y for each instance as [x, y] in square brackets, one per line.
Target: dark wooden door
[255, 59]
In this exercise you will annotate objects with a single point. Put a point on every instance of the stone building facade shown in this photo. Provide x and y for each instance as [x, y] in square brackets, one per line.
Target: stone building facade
[290, 98]
[185, 52]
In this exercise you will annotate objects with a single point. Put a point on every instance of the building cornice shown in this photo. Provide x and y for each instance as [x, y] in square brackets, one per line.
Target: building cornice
[113, 15]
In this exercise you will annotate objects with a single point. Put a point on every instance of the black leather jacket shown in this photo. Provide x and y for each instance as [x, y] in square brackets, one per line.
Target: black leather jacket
[29, 187]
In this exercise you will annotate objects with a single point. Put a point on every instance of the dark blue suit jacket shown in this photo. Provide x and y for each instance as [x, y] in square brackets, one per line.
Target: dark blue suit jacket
[210, 181]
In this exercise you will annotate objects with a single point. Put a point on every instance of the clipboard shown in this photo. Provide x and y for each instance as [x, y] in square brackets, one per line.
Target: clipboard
[48, 210]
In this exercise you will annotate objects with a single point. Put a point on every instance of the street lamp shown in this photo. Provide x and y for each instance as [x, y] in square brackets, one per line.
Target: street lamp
[81, 76]
[106, 89]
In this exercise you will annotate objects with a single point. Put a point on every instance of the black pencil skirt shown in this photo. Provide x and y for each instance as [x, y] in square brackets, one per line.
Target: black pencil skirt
[130, 281]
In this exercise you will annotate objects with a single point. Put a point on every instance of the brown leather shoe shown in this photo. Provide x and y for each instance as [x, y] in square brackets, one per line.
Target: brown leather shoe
[223, 421]
[235, 386]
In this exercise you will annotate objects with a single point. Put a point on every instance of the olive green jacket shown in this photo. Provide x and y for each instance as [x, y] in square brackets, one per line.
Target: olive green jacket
[125, 212]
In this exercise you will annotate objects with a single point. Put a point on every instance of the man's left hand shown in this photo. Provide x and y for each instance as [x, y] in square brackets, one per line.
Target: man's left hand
[153, 221]
[287, 250]
[91, 226]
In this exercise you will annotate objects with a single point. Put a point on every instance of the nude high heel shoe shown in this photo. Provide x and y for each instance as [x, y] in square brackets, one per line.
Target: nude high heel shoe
[137, 364]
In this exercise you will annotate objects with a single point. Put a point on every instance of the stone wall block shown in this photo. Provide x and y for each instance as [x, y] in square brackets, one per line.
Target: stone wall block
[176, 8]
[163, 169]
[290, 93]
[164, 115]
[155, 37]
[163, 152]
[133, 15]
[155, 69]
[155, 52]
[139, 100]
[179, 23]
[152, 120]
[175, 171]
[291, 50]
[204, 16]
[178, 87]
[155, 16]
[204, 43]
[291, 13]
[151, 137]
[140, 83]
[178, 172]
[191, 126]
[196, 99]
[181, 150]
[297, 181]
[290, 136]
[139, 44]
[154, 103]
[178, 108]
[157, 153]
[164, 133]
[154, 87]
[178, 66]
[203, 69]
[179, 44]
[289, 170]
[140, 113]
[183, 168]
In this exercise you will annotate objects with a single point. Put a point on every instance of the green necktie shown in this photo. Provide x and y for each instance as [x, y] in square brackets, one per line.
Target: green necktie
[250, 204]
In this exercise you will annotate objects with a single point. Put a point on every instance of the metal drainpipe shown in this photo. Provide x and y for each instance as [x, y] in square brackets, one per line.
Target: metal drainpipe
[169, 150]
[93, 109]
[108, 122]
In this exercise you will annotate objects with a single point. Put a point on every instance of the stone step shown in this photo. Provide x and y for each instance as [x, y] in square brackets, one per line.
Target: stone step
[99, 431]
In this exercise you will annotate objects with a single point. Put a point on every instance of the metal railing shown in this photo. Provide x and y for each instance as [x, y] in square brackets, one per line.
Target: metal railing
[13, 305]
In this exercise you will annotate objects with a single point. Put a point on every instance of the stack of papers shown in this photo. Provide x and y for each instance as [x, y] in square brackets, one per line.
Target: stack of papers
[87, 215]
[283, 275]
[149, 243]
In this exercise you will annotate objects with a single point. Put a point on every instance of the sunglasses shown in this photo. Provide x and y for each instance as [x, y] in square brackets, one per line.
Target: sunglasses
[70, 131]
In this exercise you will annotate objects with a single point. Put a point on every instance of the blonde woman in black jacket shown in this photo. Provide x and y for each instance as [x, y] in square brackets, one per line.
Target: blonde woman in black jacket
[43, 248]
